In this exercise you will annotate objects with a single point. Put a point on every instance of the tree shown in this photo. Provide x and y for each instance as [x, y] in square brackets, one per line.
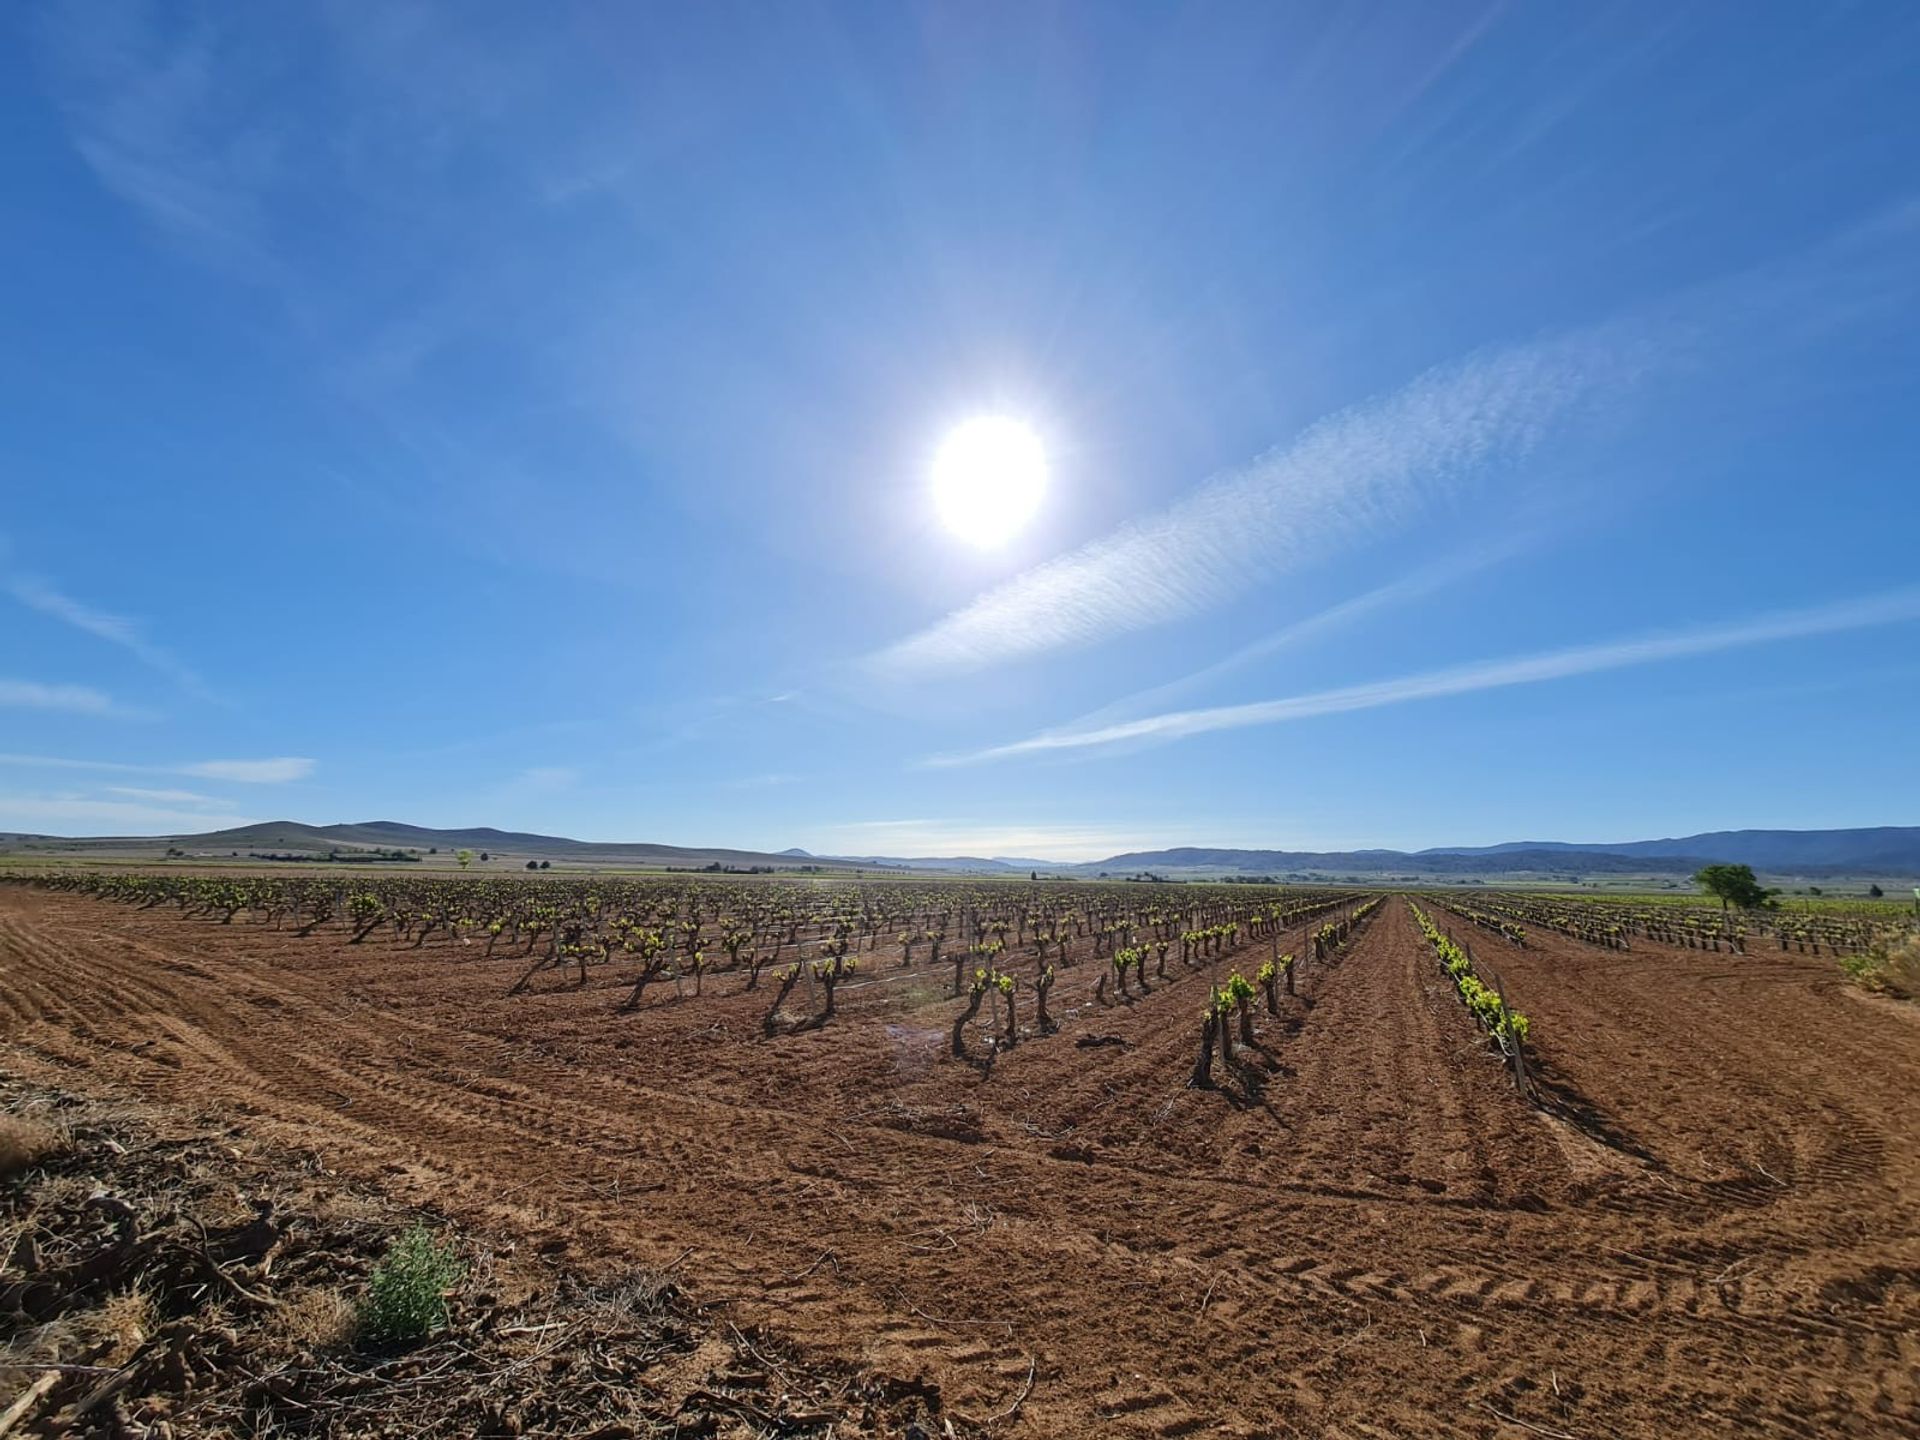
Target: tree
[533, 864]
[1734, 885]
[465, 857]
[1875, 891]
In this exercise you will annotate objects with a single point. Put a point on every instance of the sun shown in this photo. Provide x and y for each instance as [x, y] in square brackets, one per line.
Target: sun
[988, 479]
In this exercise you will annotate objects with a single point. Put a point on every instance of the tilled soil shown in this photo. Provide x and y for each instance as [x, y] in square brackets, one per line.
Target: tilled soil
[1707, 1228]
[167, 1276]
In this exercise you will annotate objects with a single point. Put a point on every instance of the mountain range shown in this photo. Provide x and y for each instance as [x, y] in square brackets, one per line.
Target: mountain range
[1885, 852]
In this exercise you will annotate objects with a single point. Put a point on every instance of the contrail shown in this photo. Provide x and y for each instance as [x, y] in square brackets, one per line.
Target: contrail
[1891, 608]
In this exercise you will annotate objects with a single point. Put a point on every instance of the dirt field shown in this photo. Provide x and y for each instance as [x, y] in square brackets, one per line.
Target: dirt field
[1710, 1231]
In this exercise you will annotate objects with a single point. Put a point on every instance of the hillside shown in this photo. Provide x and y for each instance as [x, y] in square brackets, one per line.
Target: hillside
[1396, 862]
[1885, 852]
[1894, 847]
[290, 837]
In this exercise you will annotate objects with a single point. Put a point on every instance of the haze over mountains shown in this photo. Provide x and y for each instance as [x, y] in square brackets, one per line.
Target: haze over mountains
[1883, 851]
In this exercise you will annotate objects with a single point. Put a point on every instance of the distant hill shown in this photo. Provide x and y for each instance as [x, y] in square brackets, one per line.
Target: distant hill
[1881, 851]
[966, 864]
[285, 837]
[1884, 852]
[1892, 847]
[1395, 862]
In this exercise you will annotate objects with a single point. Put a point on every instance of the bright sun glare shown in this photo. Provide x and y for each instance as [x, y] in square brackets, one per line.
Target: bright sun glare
[988, 479]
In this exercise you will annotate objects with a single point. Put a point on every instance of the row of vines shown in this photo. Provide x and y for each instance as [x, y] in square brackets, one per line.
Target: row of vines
[995, 948]
[1613, 923]
[1507, 1029]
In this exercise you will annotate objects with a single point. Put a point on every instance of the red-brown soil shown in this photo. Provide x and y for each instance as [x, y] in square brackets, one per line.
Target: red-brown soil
[167, 1276]
[1708, 1230]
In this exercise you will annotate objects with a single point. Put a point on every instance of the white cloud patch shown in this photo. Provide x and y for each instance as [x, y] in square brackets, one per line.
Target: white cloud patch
[66, 699]
[279, 771]
[1889, 609]
[251, 772]
[1347, 479]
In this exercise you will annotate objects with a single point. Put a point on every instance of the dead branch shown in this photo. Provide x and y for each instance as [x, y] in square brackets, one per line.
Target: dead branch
[28, 1398]
[206, 1255]
[825, 1257]
[1033, 1368]
[1516, 1420]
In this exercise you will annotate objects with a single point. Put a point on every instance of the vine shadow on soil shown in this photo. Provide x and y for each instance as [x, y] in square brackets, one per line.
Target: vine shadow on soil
[1563, 1100]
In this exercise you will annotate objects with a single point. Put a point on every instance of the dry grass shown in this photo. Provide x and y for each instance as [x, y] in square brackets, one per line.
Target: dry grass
[638, 1297]
[107, 1334]
[1901, 973]
[26, 1143]
[318, 1319]
[339, 1206]
[219, 1205]
[1891, 969]
[123, 1321]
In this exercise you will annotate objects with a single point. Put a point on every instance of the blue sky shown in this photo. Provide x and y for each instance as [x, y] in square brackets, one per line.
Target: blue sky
[1465, 423]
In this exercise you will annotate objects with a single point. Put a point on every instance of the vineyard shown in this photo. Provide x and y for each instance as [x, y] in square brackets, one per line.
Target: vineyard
[1085, 1158]
[998, 943]
[1615, 922]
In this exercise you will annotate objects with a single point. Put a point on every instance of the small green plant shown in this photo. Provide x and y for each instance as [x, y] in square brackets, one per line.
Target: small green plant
[1239, 999]
[407, 1292]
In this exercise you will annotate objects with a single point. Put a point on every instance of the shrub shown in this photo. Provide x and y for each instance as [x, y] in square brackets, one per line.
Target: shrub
[319, 1319]
[407, 1292]
[1891, 967]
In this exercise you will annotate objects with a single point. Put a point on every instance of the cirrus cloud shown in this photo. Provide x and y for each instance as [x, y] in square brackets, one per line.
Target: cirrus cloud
[67, 699]
[249, 772]
[37, 594]
[278, 771]
[1891, 608]
[1345, 480]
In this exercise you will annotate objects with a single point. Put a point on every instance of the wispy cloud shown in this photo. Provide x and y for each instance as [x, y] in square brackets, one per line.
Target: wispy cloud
[38, 595]
[1345, 480]
[76, 815]
[250, 772]
[68, 699]
[763, 782]
[169, 797]
[1892, 608]
[148, 115]
[1425, 581]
